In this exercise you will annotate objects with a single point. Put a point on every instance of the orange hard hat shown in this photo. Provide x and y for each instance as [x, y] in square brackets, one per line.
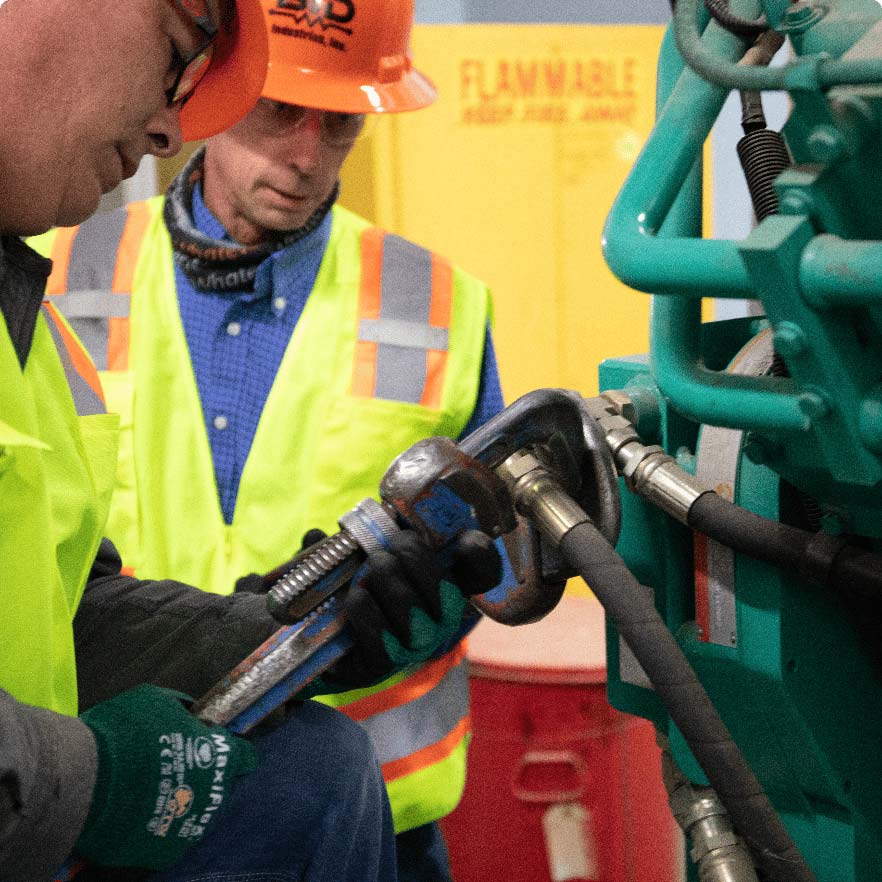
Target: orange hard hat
[351, 56]
[233, 82]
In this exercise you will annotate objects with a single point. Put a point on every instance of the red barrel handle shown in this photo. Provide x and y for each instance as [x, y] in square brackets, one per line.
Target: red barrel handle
[533, 758]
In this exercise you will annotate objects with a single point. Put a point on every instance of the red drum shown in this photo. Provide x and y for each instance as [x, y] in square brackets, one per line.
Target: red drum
[561, 786]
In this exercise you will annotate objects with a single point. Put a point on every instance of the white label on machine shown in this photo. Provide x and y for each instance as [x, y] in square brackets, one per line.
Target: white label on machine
[569, 843]
[718, 458]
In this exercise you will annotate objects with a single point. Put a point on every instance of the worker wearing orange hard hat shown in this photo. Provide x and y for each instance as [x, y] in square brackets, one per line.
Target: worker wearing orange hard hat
[279, 352]
[103, 771]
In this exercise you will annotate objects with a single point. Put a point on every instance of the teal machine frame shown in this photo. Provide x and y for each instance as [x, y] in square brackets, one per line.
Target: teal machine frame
[793, 668]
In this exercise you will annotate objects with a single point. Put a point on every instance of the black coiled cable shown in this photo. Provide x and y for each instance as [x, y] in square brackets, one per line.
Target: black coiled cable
[763, 156]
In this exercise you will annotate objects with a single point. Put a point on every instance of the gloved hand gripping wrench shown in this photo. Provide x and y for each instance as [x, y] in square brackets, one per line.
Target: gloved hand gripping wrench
[439, 489]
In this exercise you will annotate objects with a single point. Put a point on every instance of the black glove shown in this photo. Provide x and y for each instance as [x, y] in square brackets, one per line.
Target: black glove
[402, 609]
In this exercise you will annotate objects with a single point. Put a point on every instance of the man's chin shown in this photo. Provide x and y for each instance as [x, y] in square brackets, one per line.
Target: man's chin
[74, 211]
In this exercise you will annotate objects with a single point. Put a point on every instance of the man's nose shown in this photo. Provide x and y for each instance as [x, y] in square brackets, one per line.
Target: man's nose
[304, 143]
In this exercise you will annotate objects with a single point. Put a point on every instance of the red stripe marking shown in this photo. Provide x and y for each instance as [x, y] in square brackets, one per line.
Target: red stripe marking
[702, 598]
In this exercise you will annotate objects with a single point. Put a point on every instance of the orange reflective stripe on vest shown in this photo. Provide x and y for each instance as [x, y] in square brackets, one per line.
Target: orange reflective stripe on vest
[420, 720]
[82, 378]
[91, 260]
[404, 319]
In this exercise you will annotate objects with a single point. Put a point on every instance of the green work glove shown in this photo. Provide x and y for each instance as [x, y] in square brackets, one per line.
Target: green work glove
[162, 777]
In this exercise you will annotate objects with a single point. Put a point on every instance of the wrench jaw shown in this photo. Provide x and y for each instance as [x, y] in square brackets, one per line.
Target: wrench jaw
[439, 491]
[436, 477]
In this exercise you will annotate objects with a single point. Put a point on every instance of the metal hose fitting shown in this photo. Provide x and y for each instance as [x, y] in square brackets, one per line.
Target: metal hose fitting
[647, 470]
[718, 852]
[538, 495]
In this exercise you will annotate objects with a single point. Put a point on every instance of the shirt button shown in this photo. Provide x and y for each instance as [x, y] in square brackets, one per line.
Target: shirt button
[280, 303]
[220, 422]
[234, 329]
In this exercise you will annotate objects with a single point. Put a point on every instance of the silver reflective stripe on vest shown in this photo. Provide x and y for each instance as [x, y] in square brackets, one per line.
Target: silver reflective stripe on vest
[89, 302]
[403, 730]
[92, 304]
[402, 331]
[85, 399]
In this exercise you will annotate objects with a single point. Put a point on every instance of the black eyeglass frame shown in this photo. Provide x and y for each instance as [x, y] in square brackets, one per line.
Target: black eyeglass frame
[185, 62]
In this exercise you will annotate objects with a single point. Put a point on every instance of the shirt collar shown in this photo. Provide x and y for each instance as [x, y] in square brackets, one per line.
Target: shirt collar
[23, 275]
[205, 221]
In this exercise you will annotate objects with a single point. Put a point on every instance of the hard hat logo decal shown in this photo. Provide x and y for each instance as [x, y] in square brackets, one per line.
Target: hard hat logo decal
[325, 14]
[346, 56]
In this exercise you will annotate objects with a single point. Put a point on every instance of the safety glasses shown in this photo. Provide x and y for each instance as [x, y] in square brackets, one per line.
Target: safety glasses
[335, 129]
[190, 69]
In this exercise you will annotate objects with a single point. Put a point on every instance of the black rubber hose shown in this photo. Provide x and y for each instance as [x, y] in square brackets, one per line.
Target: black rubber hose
[859, 570]
[748, 533]
[753, 117]
[825, 559]
[735, 24]
[630, 607]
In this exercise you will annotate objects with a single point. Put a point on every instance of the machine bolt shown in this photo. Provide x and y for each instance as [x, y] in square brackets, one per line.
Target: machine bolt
[800, 17]
[814, 404]
[789, 339]
[826, 144]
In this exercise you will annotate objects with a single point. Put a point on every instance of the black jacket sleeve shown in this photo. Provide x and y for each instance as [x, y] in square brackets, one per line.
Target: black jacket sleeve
[129, 631]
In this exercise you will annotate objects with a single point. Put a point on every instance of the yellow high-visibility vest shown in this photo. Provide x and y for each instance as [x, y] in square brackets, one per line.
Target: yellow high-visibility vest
[388, 351]
[57, 463]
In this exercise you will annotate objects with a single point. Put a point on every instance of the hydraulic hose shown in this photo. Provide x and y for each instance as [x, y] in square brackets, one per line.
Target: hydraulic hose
[831, 561]
[828, 560]
[717, 850]
[735, 24]
[631, 608]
